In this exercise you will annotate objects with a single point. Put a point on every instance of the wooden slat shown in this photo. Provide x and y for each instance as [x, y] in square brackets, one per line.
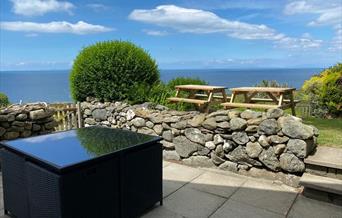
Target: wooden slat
[248, 105]
[253, 99]
[261, 89]
[199, 87]
[270, 100]
[214, 96]
[187, 100]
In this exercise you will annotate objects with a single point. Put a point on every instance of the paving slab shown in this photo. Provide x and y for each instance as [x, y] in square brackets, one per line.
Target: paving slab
[241, 210]
[190, 203]
[176, 175]
[326, 156]
[166, 163]
[159, 212]
[310, 208]
[322, 183]
[217, 184]
[275, 198]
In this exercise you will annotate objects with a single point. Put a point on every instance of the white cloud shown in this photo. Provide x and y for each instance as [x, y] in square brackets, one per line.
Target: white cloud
[155, 32]
[54, 27]
[336, 43]
[329, 11]
[303, 43]
[31, 35]
[197, 21]
[231, 4]
[40, 7]
[97, 7]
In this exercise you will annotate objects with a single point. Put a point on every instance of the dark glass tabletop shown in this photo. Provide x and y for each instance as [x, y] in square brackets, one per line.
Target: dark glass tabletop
[67, 148]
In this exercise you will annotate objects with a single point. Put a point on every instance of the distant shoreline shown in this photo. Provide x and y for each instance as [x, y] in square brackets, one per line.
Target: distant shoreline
[53, 86]
[186, 69]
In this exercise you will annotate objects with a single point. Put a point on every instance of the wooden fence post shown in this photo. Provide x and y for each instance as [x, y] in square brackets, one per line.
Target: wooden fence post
[79, 115]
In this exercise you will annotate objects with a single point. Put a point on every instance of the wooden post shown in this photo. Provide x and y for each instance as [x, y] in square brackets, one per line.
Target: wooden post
[281, 99]
[232, 98]
[224, 95]
[79, 115]
[292, 104]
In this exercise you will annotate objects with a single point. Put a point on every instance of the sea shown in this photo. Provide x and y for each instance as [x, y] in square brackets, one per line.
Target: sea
[53, 86]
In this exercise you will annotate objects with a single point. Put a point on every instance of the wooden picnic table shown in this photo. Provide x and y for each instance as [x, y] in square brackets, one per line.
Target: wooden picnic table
[196, 91]
[276, 96]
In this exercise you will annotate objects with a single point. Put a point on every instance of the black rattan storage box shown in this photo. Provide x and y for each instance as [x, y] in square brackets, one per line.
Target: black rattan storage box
[88, 172]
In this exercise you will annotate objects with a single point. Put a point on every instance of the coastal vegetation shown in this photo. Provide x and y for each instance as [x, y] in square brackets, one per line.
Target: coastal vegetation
[122, 71]
[324, 92]
[4, 101]
[159, 92]
[108, 71]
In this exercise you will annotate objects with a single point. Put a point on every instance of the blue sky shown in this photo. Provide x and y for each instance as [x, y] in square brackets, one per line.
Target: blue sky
[48, 34]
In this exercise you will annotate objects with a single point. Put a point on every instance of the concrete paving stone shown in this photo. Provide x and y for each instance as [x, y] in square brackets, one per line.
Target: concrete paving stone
[176, 175]
[190, 203]
[217, 184]
[326, 156]
[276, 198]
[166, 163]
[322, 183]
[240, 210]
[161, 211]
[310, 208]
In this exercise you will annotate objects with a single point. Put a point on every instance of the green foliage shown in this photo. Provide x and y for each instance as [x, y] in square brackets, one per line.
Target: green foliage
[269, 83]
[185, 81]
[108, 70]
[3, 100]
[159, 92]
[324, 92]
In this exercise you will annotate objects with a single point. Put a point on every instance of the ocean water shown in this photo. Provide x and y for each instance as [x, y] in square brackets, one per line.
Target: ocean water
[53, 86]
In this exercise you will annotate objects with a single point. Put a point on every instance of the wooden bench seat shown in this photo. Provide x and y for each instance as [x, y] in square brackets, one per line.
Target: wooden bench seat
[248, 105]
[187, 100]
[252, 100]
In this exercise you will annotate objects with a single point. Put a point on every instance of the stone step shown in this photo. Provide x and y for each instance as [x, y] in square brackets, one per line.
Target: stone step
[326, 157]
[321, 183]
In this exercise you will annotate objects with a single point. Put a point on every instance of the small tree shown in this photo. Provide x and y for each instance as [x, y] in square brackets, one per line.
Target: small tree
[108, 70]
[3, 100]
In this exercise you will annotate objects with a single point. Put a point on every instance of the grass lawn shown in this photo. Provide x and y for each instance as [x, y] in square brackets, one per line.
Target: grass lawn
[330, 131]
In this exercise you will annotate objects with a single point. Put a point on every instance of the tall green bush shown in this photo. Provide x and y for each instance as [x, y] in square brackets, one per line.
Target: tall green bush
[3, 100]
[324, 92]
[108, 70]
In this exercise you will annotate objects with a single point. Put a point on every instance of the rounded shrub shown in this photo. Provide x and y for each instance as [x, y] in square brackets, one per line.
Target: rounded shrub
[3, 100]
[108, 70]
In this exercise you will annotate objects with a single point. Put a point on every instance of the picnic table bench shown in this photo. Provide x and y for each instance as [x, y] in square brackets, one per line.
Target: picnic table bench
[196, 91]
[276, 95]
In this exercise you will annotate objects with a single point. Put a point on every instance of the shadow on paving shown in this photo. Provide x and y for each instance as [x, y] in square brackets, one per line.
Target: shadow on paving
[191, 192]
[195, 193]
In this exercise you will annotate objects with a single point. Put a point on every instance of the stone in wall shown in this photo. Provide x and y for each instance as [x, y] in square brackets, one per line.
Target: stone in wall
[26, 120]
[228, 139]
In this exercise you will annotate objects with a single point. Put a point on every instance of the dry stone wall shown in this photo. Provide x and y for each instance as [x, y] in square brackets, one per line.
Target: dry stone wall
[226, 139]
[26, 120]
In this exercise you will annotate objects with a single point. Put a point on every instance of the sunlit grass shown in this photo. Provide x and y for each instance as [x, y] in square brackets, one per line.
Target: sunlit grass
[330, 131]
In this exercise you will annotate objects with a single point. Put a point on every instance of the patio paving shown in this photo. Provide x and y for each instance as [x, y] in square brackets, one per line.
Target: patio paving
[196, 192]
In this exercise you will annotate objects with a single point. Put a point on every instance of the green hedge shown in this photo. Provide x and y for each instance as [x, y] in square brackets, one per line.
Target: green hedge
[108, 70]
[3, 100]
